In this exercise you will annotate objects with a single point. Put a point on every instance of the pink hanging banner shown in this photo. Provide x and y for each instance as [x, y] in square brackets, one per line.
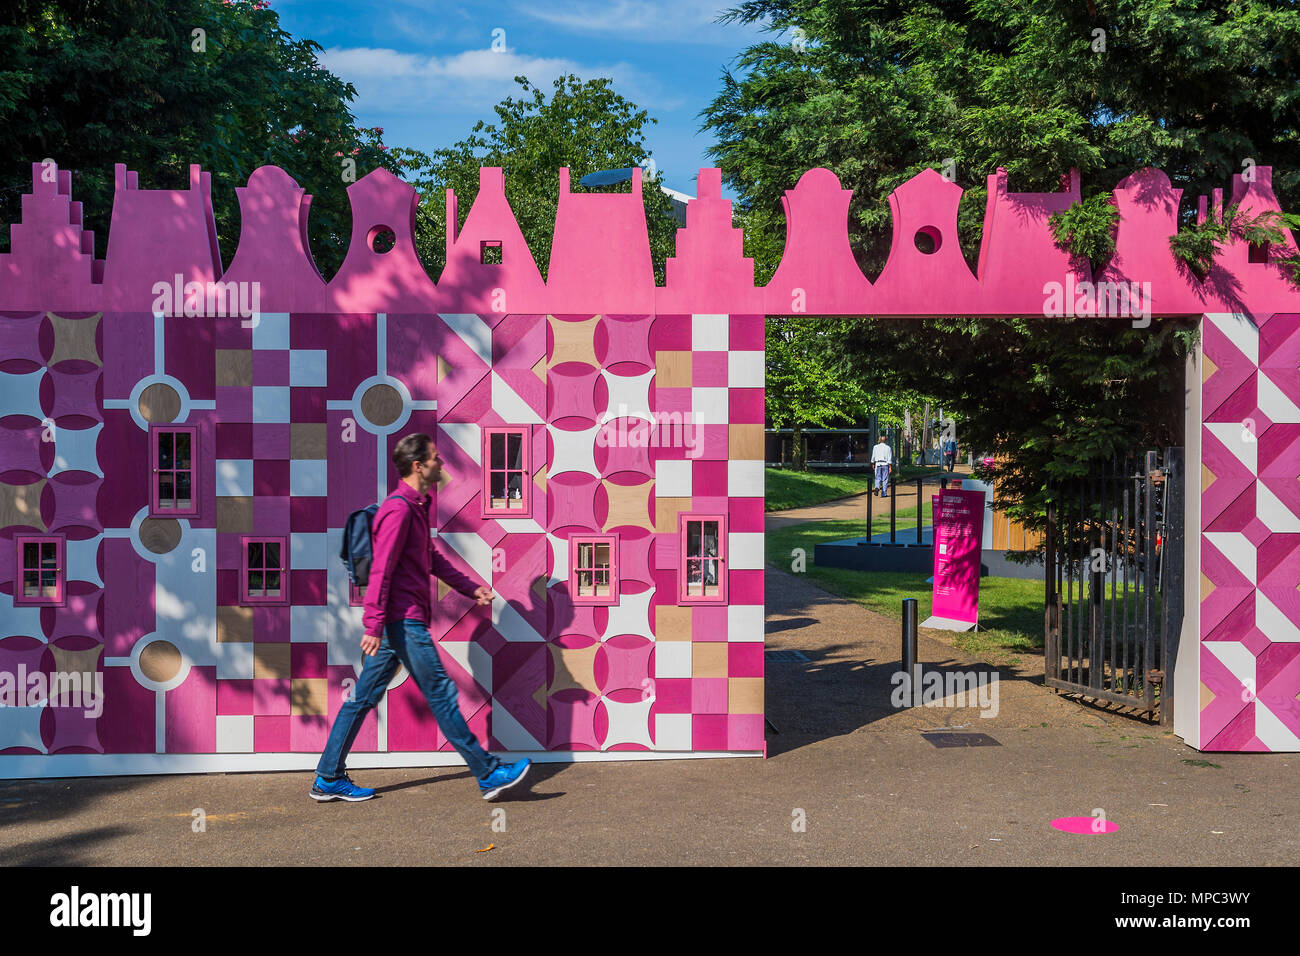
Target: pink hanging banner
[958, 531]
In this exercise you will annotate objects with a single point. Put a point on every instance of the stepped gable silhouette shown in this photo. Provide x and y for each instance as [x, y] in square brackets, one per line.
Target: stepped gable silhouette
[600, 259]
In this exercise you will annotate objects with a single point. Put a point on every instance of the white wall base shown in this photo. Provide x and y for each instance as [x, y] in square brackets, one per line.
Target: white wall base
[34, 766]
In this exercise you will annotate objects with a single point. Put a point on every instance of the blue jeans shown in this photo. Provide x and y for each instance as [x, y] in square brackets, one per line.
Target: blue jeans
[882, 478]
[407, 643]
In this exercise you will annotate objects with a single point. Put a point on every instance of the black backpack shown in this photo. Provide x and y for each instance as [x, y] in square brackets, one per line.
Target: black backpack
[358, 551]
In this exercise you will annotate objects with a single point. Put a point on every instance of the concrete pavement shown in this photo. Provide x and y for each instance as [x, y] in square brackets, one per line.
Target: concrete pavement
[849, 780]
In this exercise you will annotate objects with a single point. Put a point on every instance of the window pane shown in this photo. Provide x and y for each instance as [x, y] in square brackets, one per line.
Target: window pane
[693, 573]
[272, 555]
[515, 459]
[49, 584]
[256, 555]
[711, 575]
[602, 555]
[692, 538]
[255, 584]
[183, 489]
[516, 486]
[166, 489]
[585, 588]
[498, 450]
[710, 537]
[584, 555]
[498, 483]
[183, 450]
[602, 583]
[31, 554]
[165, 457]
[272, 583]
[30, 586]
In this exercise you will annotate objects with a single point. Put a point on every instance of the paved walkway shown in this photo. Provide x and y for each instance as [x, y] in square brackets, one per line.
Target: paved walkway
[868, 782]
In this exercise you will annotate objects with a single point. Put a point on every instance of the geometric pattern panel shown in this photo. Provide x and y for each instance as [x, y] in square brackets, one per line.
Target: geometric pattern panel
[1250, 533]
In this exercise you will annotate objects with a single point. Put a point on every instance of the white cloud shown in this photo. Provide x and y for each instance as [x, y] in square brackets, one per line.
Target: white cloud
[391, 82]
[651, 21]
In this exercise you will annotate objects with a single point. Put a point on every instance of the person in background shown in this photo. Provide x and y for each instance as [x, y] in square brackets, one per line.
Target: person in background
[950, 452]
[882, 460]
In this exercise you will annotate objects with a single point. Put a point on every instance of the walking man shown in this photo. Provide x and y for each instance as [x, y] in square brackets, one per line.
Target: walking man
[397, 610]
[882, 459]
[950, 452]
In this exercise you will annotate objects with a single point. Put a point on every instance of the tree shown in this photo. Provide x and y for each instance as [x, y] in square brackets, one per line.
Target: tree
[805, 386]
[160, 85]
[876, 91]
[585, 126]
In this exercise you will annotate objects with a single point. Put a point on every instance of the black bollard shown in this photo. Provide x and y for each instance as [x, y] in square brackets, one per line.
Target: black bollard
[918, 511]
[893, 508]
[909, 646]
[871, 496]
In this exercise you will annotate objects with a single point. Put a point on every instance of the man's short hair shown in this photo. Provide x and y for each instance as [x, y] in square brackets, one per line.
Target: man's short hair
[409, 450]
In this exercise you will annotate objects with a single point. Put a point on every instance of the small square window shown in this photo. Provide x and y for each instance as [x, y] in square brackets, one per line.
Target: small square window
[489, 252]
[702, 573]
[174, 488]
[507, 472]
[356, 595]
[41, 579]
[264, 571]
[593, 569]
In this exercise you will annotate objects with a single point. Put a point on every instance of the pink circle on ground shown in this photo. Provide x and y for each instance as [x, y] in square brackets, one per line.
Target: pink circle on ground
[1088, 826]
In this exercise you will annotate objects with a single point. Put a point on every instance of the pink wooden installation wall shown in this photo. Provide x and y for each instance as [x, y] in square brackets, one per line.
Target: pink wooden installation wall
[295, 413]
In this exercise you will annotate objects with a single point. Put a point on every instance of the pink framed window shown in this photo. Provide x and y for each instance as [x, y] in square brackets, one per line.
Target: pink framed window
[356, 595]
[593, 568]
[506, 472]
[42, 571]
[264, 571]
[173, 450]
[702, 572]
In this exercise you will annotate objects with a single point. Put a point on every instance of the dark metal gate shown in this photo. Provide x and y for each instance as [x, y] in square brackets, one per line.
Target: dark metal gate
[1114, 582]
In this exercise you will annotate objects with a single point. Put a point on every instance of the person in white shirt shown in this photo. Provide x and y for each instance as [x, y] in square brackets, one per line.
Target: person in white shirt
[882, 459]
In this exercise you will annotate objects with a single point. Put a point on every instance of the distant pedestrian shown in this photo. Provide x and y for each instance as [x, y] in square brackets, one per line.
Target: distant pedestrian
[950, 452]
[882, 459]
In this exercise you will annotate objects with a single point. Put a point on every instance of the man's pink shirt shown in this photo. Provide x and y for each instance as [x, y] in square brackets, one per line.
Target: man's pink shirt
[404, 558]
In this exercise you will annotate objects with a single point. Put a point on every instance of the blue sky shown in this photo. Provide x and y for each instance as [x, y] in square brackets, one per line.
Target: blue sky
[426, 71]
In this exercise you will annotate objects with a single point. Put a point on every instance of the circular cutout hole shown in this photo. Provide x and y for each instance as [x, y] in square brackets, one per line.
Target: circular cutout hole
[382, 239]
[160, 661]
[928, 239]
[159, 402]
[160, 535]
[381, 404]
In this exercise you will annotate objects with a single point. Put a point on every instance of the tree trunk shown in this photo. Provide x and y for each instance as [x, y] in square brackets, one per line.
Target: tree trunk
[800, 454]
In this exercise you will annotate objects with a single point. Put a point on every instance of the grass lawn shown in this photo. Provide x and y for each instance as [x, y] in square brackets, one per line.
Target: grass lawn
[1011, 610]
[798, 489]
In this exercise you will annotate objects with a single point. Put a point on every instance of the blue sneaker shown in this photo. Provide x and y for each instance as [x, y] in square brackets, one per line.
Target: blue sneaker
[503, 778]
[341, 789]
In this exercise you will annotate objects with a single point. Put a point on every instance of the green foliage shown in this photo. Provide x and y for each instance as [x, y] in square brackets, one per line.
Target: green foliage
[1087, 229]
[93, 84]
[787, 489]
[807, 384]
[881, 90]
[585, 126]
